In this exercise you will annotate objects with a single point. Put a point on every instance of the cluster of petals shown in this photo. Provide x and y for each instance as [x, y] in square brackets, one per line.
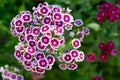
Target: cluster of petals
[10, 75]
[108, 11]
[69, 59]
[41, 34]
[107, 49]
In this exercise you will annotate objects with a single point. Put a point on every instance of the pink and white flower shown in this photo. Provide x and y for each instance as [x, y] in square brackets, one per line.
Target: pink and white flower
[76, 43]
[54, 43]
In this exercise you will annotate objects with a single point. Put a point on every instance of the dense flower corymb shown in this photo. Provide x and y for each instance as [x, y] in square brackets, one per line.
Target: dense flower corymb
[107, 49]
[41, 37]
[108, 11]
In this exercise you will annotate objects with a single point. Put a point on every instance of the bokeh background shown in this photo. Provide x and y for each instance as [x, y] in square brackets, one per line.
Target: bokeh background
[83, 9]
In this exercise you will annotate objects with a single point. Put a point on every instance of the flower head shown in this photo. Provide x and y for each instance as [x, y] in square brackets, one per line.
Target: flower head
[43, 37]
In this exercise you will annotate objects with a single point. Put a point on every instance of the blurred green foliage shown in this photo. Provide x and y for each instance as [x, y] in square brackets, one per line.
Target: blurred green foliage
[84, 9]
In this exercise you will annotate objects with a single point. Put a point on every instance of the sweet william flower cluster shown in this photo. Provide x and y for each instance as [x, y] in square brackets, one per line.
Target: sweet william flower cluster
[108, 11]
[41, 36]
[10, 73]
[107, 49]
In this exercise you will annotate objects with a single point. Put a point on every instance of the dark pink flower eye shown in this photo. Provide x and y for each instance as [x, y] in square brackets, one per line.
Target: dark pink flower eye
[103, 57]
[18, 23]
[50, 59]
[102, 46]
[67, 58]
[22, 38]
[19, 30]
[91, 57]
[45, 29]
[39, 55]
[103, 14]
[112, 11]
[28, 30]
[72, 66]
[111, 44]
[57, 16]
[54, 43]
[26, 17]
[27, 64]
[43, 63]
[40, 46]
[46, 20]
[44, 10]
[17, 54]
[74, 53]
[45, 40]
[76, 43]
[32, 43]
[31, 50]
[36, 31]
[27, 56]
[29, 37]
[59, 31]
[63, 66]
[59, 23]
[67, 18]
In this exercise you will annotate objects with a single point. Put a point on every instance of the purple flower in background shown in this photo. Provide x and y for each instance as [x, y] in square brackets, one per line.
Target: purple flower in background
[103, 57]
[90, 57]
[108, 11]
[78, 22]
[102, 46]
[113, 52]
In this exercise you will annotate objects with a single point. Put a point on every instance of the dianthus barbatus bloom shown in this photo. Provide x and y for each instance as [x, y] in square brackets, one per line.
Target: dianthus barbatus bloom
[106, 50]
[41, 37]
[10, 75]
[108, 11]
